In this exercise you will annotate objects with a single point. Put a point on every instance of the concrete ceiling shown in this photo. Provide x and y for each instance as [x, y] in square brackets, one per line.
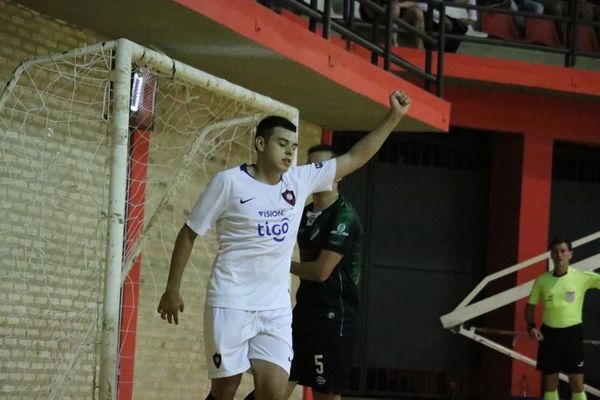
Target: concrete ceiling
[202, 42]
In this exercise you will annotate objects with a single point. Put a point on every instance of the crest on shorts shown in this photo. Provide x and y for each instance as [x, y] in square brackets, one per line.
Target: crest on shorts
[570, 297]
[289, 196]
[320, 380]
[217, 359]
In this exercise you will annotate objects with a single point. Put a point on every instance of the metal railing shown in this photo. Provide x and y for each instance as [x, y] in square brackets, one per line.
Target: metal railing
[434, 36]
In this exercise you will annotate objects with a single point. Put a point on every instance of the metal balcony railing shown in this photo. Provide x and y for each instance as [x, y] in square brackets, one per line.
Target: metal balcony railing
[384, 25]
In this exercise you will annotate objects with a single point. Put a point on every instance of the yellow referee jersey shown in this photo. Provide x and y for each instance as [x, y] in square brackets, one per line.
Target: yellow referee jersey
[562, 297]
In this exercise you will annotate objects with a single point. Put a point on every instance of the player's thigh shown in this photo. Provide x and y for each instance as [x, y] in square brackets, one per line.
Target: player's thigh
[326, 396]
[548, 359]
[226, 340]
[273, 342]
[305, 345]
[322, 361]
[571, 349]
[270, 380]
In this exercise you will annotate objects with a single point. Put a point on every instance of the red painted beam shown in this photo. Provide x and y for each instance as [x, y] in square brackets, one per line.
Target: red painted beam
[561, 118]
[285, 37]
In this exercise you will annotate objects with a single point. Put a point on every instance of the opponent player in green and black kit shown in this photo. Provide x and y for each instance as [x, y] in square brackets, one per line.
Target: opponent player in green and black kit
[325, 318]
[560, 337]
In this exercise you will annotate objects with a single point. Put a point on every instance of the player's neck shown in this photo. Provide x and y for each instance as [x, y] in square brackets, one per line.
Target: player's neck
[324, 200]
[560, 270]
[264, 174]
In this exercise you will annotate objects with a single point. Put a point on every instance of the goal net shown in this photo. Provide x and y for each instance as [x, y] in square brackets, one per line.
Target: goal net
[104, 151]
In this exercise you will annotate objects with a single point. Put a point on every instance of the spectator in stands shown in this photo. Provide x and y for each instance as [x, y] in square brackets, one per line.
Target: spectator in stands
[457, 21]
[408, 11]
[589, 11]
[560, 8]
[530, 6]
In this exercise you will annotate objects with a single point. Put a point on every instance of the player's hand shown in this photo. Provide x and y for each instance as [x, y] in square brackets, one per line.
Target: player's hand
[535, 333]
[399, 102]
[171, 303]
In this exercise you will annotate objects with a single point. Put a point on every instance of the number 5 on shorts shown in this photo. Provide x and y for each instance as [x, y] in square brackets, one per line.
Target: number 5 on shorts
[319, 363]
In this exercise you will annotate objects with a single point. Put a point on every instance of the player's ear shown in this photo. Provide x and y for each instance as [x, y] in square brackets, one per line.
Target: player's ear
[259, 142]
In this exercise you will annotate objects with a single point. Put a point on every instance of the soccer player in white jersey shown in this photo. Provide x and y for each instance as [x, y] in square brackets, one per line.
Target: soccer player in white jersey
[256, 210]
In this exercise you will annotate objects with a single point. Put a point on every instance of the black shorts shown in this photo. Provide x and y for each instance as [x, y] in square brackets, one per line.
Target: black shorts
[321, 361]
[561, 350]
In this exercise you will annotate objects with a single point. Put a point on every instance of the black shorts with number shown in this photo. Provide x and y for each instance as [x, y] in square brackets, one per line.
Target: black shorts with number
[322, 361]
[561, 350]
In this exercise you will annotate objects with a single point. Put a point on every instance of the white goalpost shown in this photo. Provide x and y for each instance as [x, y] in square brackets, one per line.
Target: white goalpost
[468, 309]
[104, 151]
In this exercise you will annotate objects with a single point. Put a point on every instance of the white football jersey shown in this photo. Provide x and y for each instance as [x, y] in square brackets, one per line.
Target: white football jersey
[256, 225]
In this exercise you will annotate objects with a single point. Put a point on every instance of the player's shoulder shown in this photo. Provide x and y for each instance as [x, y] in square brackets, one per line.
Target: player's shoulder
[548, 275]
[299, 169]
[588, 274]
[231, 173]
[345, 210]
[345, 206]
[309, 207]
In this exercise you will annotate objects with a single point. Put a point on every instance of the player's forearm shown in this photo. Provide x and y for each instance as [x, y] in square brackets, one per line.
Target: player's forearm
[530, 314]
[306, 270]
[181, 254]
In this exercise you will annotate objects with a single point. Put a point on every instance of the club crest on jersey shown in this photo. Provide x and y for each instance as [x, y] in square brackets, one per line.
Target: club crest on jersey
[289, 196]
[570, 297]
[217, 359]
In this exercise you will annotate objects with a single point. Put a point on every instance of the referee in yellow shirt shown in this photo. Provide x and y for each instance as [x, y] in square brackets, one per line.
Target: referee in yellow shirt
[560, 337]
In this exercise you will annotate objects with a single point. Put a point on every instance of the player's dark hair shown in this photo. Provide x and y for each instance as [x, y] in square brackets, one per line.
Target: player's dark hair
[265, 127]
[558, 240]
[322, 147]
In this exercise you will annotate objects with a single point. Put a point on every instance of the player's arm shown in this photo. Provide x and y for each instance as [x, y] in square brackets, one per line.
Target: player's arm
[366, 147]
[171, 302]
[532, 329]
[318, 270]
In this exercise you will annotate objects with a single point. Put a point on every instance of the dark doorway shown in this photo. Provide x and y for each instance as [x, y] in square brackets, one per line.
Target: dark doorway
[424, 204]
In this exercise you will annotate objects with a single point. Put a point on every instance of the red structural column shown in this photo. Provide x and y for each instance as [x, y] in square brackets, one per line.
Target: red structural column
[139, 149]
[502, 252]
[327, 137]
[534, 219]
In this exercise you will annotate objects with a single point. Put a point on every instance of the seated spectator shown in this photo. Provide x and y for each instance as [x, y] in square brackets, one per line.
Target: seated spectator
[408, 11]
[530, 6]
[560, 8]
[457, 21]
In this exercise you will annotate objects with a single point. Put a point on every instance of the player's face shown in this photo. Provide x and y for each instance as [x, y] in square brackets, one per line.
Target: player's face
[280, 150]
[561, 255]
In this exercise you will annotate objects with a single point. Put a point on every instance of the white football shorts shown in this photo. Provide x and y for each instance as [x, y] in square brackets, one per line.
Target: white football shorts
[234, 337]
